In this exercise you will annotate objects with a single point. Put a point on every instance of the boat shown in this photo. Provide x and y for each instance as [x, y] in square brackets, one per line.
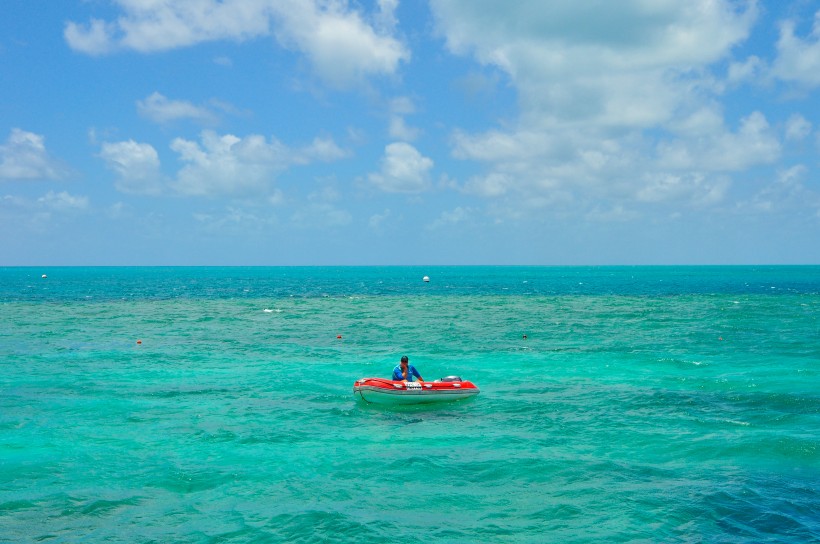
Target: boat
[382, 391]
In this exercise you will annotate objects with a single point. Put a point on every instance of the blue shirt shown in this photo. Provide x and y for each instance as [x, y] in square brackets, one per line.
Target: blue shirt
[411, 371]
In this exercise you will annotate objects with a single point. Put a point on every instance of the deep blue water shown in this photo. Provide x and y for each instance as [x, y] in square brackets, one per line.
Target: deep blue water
[77, 283]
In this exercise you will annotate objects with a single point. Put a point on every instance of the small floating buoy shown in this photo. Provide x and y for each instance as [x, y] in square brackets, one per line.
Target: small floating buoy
[139, 342]
[44, 276]
[339, 336]
[426, 278]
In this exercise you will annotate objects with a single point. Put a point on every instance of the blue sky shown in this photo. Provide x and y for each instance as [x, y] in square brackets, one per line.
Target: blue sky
[324, 132]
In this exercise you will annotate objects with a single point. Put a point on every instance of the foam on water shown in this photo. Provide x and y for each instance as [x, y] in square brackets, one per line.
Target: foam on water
[670, 404]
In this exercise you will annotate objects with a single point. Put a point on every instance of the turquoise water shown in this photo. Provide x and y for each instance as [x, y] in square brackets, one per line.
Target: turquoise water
[669, 404]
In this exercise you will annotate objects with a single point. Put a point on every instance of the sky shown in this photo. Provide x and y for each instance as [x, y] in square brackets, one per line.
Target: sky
[398, 132]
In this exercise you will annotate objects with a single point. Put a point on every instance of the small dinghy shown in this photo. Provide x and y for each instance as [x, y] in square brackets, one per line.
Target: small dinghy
[382, 391]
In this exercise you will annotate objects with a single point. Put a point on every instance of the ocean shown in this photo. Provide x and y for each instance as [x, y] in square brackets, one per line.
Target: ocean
[618, 404]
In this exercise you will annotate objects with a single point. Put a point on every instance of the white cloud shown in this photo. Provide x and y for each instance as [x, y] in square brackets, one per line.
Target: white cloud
[616, 100]
[385, 18]
[137, 166]
[797, 127]
[63, 202]
[216, 165]
[320, 212]
[542, 163]
[713, 148]
[616, 214]
[341, 44]
[160, 109]
[158, 25]
[325, 194]
[496, 146]
[13, 201]
[622, 64]
[24, 156]
[694, 187]
[743, 72]
[787, 192]
[690, 167]
[376, 220]
[40, 214]
[321, 215]
[321, 149]
[223, 60]
[229, 165]
[449, 218]
[491, 185]
[404, 170]
[235, 221]
[118, 210]
[398, 129]
[96, 38]
[798, 60]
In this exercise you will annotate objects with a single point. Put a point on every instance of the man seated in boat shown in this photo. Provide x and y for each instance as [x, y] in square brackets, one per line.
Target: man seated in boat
[404, 371]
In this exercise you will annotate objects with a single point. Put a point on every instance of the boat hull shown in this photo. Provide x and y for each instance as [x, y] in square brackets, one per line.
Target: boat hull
[381, 391]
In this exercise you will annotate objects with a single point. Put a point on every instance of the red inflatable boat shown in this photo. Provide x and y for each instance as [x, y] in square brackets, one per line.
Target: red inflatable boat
[381, 391]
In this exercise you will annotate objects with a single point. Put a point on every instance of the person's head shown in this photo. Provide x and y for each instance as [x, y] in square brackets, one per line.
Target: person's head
[404, 360]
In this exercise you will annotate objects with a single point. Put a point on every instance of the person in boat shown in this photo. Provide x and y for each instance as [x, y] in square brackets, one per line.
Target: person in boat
[404, 371]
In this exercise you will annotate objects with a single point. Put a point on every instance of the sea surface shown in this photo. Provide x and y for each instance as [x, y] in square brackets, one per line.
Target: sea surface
[618, 404]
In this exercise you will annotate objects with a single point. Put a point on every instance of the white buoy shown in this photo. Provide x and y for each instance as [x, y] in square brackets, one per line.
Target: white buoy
[426, 278]
[44, 276]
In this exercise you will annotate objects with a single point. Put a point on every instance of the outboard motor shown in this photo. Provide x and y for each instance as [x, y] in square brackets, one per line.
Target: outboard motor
[448, 379]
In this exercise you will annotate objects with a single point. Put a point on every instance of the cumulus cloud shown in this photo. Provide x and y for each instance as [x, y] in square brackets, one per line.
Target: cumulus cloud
[385, 17]
[160, 25]
[216, 165]
[743, 72]
[453, 217]
[160, 109]
[321, 149]
[321, 215]
[614, 63]
[403, 170]
[321, 212]
[786, 192]
[695, 187]
[689, 166]
[229, 165]
[615, 214]
[63, 202]
[798, 60]
[343, 44]
[399, 130]
[377, 219]
[235, 221]
[95, 38]
[39, 214]
[617, 102]
[223, 60]
[24, 157]
[137, 166]
[711, 147]
[491, 185]
[538, 165]
[797, 127]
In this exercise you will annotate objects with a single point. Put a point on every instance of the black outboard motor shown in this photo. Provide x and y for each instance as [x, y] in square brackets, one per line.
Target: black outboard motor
[450, 379]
